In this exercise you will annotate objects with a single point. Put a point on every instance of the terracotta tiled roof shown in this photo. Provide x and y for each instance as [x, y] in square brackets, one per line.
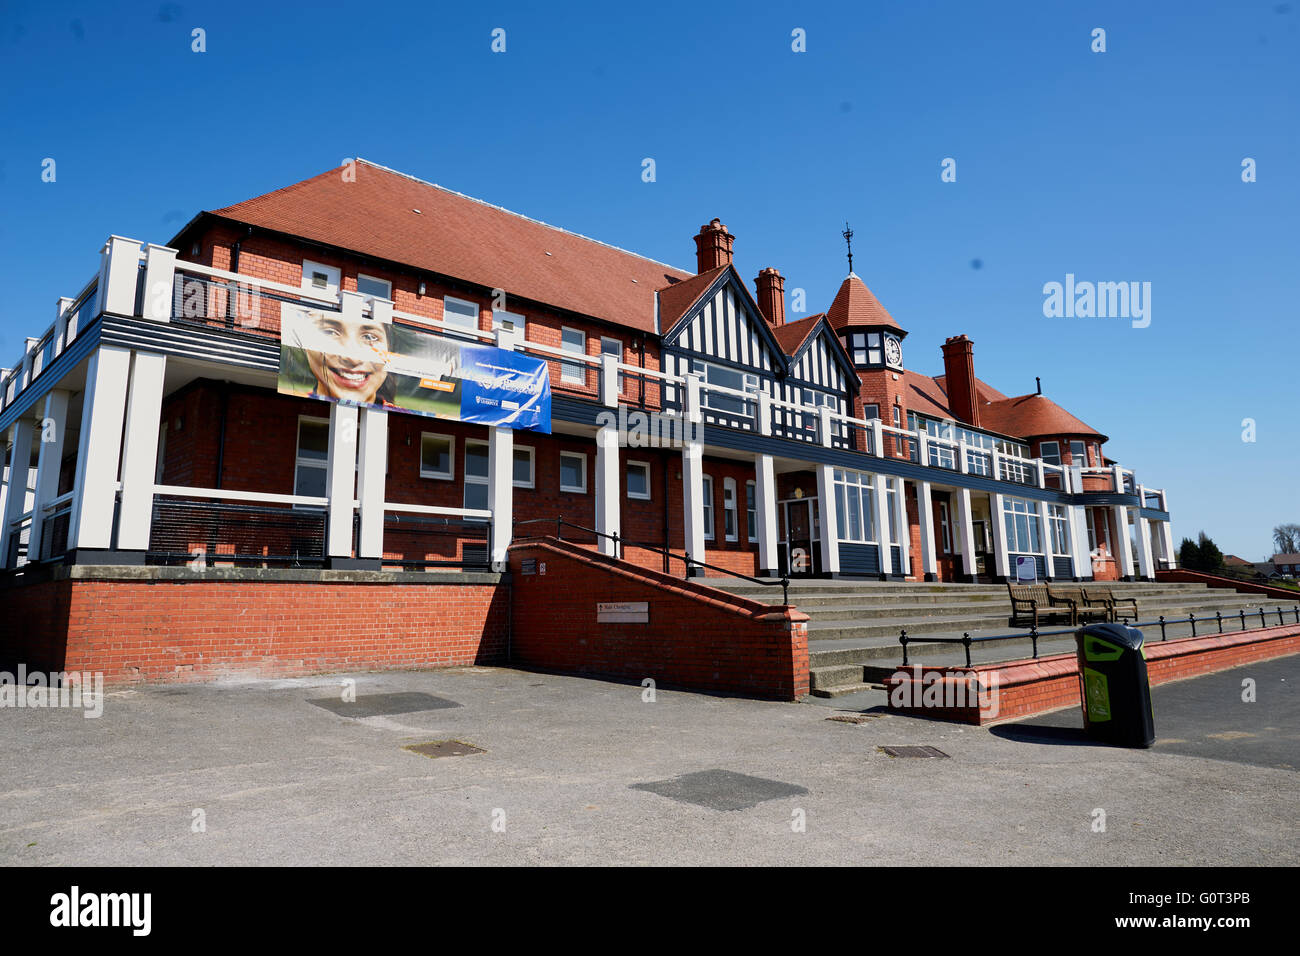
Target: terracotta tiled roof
[983, 390]
[1029, 416]
[923, 395]
[464, 238]
[855, 305]
[791, 335]
[1286, 559]
[676, 300]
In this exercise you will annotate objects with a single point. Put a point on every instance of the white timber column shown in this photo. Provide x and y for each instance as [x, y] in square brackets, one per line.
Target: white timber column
[371, 484]
[1001, 548]
[140, 450]
[1045, 537]
[830, 540]
[1167, 533]
[925, 520]
[159, 277]
[53, 428]
[966, 530]
[881, 501]
[904, 528]
[765, 494]
[119, 271]
[609, 498]
[501, 489]
[103, 405]
[693, 474]
[1123, 546]
[1077, 525]
[20, 461]
[1145, 564]
[340, 483]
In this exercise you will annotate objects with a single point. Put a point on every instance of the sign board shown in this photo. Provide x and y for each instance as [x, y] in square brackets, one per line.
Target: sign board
[623, 612]
[1026, 570]
[400, 368]
[528, 566]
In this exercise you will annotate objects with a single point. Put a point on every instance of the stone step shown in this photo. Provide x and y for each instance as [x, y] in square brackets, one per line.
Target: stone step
[1148, 609]
[843, 690]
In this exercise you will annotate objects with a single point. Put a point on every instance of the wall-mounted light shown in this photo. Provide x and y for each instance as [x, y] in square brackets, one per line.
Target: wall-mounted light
[194, 249]
[421, 291]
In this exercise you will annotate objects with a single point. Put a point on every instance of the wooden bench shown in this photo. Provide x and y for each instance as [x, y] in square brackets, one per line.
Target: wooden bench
[1033, 604]
[1082, 608]
[1106, 598]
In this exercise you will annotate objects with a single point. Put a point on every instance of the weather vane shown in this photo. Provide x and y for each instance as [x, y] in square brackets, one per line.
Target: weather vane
[848, 240]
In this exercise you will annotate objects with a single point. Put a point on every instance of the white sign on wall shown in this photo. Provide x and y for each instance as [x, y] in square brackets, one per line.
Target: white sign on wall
[623, 612]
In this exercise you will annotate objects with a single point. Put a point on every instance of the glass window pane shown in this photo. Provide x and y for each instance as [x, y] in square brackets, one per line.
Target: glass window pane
[379, 288]
[571, 475]
[638, 483]
[523, 472]
[435, 455]
[476, 496]
[476, 460]
[460, 312]
[310, 481]
[313, 440]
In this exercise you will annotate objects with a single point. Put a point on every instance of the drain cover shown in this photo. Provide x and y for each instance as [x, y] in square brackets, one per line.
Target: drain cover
[383, 705]
[720, 789]
[913, 751]
[444, 748]
[854, 718]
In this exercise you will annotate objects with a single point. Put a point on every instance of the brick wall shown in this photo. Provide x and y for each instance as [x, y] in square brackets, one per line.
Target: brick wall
[175, 626]
[697, 637]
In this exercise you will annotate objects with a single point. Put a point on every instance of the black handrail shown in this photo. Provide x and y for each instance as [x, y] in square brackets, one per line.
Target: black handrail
[685, 556]
[1034, 633]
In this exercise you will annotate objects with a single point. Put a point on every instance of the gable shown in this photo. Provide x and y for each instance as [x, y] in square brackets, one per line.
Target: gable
[724, 323]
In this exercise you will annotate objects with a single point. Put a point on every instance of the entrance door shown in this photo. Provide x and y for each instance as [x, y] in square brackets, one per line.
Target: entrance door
[799, 551]
[981, 547]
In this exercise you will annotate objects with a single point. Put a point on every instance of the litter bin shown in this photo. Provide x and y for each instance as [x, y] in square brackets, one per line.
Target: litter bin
[1113, 685]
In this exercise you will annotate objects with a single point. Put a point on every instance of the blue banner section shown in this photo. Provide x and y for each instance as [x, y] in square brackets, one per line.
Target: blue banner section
[504, 388]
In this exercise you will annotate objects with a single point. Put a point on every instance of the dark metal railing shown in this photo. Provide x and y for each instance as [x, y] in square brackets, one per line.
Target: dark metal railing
[466, 541]
[667, 553]
[186, 530]
[1035, 634]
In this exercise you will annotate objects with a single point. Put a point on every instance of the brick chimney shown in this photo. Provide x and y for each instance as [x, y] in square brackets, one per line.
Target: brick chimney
[771, 295]
[959, 377]
[713, 246]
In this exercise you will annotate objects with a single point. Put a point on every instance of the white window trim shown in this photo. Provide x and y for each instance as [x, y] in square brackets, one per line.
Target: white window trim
[1042, 452]
[518, 320]
[570, 489]
[388, 283]
[707, 506]
[646, 466]
[333, 278]
[456, 324]
[733, 509]
[451, 457]
[619, 342]
[300, 462]
[532, 467]
[474, 479]
[751, 527]
[573, 373]
[945, 527]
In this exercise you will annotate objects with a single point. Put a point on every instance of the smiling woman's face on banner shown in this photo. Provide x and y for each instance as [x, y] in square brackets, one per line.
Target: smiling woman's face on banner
[349, 359]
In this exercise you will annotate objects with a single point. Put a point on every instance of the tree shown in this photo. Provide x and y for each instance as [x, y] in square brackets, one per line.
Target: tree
[1210, 555]
[1286, 539]
[1189, 555]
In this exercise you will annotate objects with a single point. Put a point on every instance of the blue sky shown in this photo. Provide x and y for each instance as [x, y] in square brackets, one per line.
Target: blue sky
[1115, 166]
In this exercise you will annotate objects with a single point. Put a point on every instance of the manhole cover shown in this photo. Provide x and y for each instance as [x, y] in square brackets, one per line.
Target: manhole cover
[444, 748]
[720, 789]
[913, 751]
[854, 718]
[383, 705]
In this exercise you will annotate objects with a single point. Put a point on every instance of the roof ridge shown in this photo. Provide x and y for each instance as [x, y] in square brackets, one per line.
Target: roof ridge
[517, 215]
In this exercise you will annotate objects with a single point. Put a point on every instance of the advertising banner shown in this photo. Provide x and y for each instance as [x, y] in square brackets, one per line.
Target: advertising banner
[403, 369]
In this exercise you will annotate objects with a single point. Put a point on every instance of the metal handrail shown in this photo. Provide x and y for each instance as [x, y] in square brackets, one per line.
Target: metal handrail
[685, 556]
[1034, 633]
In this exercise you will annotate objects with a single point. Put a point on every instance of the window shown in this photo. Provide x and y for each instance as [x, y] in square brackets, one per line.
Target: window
[725, 377]
[613, 347]
[865, 348]
[512, 321]
[320, 279]
[870, 411]
[729, 516]
[853, 496]
[1021, 519]
[945, 528]
[1060, 529]
[891, 502]
[376, 288]
[573, 340]
[638, 480]
[573, 472]
[708, 508]
[1078, 454]
[903, 446]
[523, 466]
[1050, 452]
[312, 461]
[751, 510]
[437, 453]
[476, 475]
[460, 313]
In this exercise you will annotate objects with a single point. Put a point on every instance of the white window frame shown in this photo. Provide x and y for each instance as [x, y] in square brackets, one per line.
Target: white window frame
[300, 462]
[572, 489]
[610, 340]
[751, 513]
[1074, 457]
[707, 496]
[475, 479]
[730, 510]
[531, 452]
[451, 457]
[1017, 509]
[387, 295]
[1058, 523]
[333, 278]
[945, 527]
[1055, 457]
[857, 487]
[573, 373]
[638, 464]
[456, 323]
[518, 322]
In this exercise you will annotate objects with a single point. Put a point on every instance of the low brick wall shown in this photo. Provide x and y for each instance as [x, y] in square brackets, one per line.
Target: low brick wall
[992, 693]
[175, 624]
[1184, 576]
[696, 636]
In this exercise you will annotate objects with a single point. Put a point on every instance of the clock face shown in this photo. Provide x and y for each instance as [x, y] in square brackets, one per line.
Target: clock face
[893, 351]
